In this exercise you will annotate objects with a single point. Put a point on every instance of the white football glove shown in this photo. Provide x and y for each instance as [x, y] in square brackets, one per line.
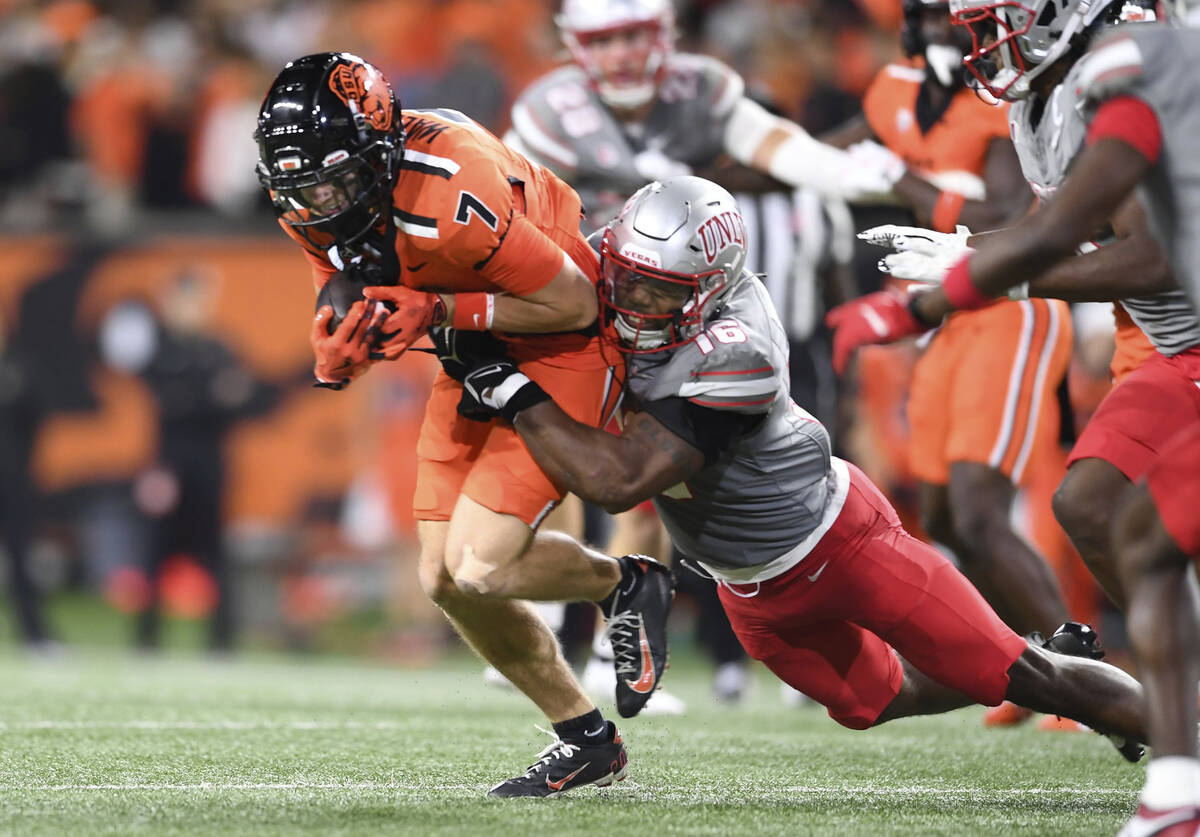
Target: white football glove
[916, 238]
[922, 255]
[870, 172]
[652, 164]
[869, 154]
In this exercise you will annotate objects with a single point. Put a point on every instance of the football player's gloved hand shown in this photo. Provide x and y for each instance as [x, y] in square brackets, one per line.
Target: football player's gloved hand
[882, 317]
[459, 351]
[869, 155]
[415, 312]
[346, 353]
[498, 388]
[922, 255]
[918, 239]
[652, 164]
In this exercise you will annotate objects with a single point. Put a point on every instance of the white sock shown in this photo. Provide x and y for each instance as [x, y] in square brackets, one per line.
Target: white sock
[1171, 782]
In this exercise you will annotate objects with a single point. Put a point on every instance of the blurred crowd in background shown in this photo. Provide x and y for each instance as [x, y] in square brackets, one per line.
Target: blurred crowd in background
[161, 444]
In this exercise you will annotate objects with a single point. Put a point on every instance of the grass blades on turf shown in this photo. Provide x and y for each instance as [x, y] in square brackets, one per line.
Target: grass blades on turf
[267, 745]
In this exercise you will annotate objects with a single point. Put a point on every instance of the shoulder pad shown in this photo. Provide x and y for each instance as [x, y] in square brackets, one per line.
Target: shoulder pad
[1112, 67]
[731, 370]
[537, 116]
[720, 85]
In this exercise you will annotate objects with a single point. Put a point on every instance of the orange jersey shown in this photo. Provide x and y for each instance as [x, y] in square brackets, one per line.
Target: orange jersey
[1132, 346]
[956, 142]
[470, 213]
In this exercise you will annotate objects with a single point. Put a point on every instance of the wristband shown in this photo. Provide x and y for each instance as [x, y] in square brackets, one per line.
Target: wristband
[946, 210]
[474, 311]
[525, 396]
[915, 312]
[960, 290]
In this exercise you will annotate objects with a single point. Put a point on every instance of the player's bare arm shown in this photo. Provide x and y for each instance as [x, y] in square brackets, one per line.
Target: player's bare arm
[566, 303]
[1133, 265]
[614, 472]
[759, 139]
[845, 135]
[1008, 197]
[1104, 176]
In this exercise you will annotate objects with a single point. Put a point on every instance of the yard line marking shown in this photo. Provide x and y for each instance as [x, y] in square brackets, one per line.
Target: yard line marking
[167, 786]
[203, 725]
[811, 790]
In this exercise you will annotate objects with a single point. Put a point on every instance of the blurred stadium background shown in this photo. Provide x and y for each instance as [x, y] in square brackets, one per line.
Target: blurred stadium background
[169, 477]
[154, 384]
[155, 378]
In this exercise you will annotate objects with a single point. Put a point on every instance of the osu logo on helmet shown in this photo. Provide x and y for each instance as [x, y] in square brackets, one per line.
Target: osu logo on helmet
[362, 86]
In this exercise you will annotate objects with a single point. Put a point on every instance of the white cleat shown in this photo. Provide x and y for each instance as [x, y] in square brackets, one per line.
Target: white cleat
[793, 697]
[1173, 822]
[731, 682]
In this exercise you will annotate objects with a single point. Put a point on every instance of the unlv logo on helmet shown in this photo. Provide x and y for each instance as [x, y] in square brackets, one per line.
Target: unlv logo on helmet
[719, 231]
[365, 87]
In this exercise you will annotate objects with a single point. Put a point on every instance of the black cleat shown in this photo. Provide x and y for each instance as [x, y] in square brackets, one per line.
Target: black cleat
[562, 766]
[637, 629]
[1078, 640]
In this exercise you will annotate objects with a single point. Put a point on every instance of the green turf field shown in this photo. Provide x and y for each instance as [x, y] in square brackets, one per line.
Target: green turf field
[112, 744]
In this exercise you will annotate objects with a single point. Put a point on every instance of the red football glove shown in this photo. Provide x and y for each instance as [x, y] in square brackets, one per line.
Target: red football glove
[881, 317]
[345, 354]
[415, 312]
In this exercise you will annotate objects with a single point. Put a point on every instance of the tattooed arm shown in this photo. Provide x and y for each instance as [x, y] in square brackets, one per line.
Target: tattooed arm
[613, 472]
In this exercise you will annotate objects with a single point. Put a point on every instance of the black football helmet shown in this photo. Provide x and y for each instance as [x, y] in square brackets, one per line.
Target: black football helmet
[330, 141]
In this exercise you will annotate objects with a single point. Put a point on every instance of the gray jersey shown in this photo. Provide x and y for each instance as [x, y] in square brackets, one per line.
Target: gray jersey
[1046, 147]
[1161, 67]
[759, 507]
[561, 123]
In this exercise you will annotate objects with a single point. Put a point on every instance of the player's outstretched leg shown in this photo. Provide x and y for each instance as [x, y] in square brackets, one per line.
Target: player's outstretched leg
[1163, 634]
[1065, 678]
[565, 765]
[636, 612]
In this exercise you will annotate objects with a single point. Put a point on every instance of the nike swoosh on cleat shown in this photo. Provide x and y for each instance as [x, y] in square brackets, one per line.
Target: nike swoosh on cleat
[417, 267]
[559, 784]
[817, 574]
[645, 683]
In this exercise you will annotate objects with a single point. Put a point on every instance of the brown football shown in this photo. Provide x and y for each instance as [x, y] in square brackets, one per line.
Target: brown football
[342, 290]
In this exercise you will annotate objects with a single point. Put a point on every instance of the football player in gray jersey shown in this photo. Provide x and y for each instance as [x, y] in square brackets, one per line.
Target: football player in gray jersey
[818, 577]
[1142, 97]
[1043, 77]
[630, 109]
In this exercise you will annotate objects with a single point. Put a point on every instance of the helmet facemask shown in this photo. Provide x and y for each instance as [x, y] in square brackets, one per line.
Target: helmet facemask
[341, 200]
[588, 32]
[651, 309]
[1013, 43]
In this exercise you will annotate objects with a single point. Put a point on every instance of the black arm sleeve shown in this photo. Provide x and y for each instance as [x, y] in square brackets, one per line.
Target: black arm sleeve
[707, 430]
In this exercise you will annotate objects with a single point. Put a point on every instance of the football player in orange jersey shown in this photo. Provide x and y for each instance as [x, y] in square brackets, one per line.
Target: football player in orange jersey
[458, 234]
[982, 395]
[1158, 334]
